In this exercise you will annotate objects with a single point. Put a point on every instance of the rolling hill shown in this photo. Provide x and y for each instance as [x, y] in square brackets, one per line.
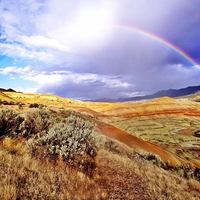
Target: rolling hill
[151, 126]
[163, 131]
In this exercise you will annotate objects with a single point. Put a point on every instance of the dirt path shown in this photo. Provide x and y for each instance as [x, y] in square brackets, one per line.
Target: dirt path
[119, 182]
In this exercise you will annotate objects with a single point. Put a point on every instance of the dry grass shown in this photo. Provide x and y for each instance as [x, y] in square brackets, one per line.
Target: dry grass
[165, 185]
[24, 177]
[137, 179]
[116, 177]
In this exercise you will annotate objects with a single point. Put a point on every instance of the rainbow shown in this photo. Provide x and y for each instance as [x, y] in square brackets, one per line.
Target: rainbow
[161, 40]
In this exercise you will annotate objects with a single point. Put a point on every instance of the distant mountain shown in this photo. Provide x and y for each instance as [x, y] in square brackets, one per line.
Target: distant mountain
[7, 90]
[170, 93]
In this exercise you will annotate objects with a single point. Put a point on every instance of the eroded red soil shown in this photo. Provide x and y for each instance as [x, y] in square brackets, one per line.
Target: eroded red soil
[137, 143]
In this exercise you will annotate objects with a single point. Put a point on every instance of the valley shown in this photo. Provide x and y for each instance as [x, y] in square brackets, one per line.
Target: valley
[142, 138]
[165, 122]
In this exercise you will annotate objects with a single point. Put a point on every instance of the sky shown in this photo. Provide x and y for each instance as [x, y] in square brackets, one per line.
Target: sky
[86, 49]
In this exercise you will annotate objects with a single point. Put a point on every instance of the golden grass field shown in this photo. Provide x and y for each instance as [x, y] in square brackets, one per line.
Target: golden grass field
[163, 126]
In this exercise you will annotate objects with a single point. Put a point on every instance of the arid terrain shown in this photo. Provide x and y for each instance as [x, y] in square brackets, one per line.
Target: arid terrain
[169, 123]
[151, 150]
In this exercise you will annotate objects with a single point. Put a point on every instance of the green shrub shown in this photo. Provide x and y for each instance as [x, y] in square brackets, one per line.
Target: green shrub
[20, 105]
[75, 137]
[10, 122]
[36, 121]
[34, 105]
[154, 158]
[185, 170]
[5, 102]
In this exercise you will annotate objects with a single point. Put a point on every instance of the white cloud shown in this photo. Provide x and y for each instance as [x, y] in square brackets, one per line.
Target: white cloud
[39, 41]
[60, 77]
[93, 86]
[44, 30]
[26, 90]
[18, 71]
[15, 50]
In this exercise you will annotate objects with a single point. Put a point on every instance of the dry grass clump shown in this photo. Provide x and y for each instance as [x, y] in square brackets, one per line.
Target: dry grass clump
[116, 175]
[163, 184]
[24, 177]
[186, 170]
[139, 179]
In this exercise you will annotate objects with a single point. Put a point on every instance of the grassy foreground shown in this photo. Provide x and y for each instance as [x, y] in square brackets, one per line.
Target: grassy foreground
[115, 177]
[46, 155]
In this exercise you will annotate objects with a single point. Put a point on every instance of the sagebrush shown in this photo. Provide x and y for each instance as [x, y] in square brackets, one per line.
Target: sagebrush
[10, 122]
[74, 137]
[36, 121]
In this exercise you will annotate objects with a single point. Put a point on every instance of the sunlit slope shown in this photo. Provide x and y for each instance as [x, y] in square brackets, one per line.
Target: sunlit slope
[5, 97]
[51, 101]
[169, 123]
[38, 98]
[138, 144]
[163, 105]
[163, 126]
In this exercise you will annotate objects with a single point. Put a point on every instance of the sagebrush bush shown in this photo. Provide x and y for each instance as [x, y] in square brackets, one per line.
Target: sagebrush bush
[185, 170]
[34, 105]
[154, 158]
[36, 121]
[10, 122]
[75, 137]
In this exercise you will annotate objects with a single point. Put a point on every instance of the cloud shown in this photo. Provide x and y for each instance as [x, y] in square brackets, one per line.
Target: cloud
[81, 86]
[84, 56]
[173, 76]
[45, 25]
[15, 50]
[69, 84]
[86, 86]
[17, 71]
[39, 41]
[44, 30]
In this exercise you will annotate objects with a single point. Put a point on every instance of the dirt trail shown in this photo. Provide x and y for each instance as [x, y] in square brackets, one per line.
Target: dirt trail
[118, 182]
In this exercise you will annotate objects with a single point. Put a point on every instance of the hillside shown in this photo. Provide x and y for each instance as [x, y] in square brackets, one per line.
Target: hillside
[4, 97]
[167, 122]
[148, 126]
[141, 140]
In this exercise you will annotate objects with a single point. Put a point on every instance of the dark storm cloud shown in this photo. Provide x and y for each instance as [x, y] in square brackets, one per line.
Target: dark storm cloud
[86, 86]
[152, 65]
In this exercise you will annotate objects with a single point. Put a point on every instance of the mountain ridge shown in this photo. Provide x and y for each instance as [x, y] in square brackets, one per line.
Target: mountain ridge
[162, 93]
[7, 90]
[170, 93]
